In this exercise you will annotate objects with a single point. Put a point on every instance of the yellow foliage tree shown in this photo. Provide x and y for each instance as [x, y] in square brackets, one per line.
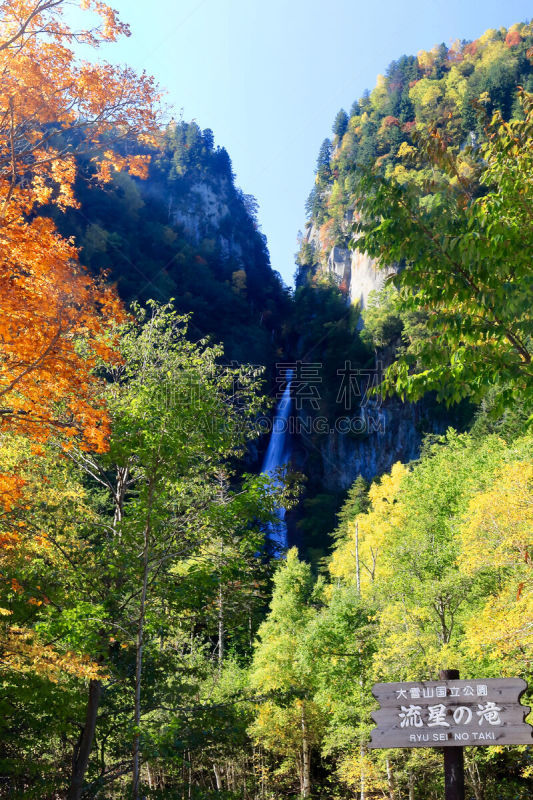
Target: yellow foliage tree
[41, 532]
[497, 538]
[369, 532]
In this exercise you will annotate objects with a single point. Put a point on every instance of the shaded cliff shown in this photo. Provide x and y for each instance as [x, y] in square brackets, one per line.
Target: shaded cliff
[189, 233]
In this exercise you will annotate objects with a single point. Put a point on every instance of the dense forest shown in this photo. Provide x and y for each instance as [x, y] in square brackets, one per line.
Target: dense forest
[152, 645]
[422, 130]
[443, 88]
[184, 232]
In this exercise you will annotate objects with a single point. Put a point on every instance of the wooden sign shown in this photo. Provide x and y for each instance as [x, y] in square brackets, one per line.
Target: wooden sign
[451, 713]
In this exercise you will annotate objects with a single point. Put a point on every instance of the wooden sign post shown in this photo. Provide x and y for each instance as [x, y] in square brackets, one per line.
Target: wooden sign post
[451, 714]
[454, 759]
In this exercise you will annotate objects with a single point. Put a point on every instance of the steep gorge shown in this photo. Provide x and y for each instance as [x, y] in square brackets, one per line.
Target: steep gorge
[188, 233]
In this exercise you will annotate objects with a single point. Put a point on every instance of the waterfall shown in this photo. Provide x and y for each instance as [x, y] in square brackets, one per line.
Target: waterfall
[276, 456]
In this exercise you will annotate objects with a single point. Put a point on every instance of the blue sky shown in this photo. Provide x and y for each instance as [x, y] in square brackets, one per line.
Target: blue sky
[268, 76]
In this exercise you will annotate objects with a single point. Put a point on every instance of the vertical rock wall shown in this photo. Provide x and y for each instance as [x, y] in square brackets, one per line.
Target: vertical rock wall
[380, 434]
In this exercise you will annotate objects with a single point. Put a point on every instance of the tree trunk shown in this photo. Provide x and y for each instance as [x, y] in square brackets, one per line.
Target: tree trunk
[221, 500]
[220, 626]
[362, 786]
[362, 759]
[357, 565]
[475, 781]
[82, 750]
[390, 782]
[306, 761]
[123, 475]
[217, 777]
[411, 786]
[138, 665]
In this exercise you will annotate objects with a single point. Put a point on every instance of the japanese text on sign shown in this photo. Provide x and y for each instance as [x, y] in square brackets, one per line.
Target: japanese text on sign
[451, 713]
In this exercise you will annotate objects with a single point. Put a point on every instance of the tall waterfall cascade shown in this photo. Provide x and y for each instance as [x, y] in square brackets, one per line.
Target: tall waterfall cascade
[276, 456]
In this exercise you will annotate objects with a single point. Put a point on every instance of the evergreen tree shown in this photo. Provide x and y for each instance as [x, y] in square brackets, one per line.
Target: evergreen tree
[324, 158]
[364, 102]
[340, 125]
[356, 502]
[222, 163]
[208, 139]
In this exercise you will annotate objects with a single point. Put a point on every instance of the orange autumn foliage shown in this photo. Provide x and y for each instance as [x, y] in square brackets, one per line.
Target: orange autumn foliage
[513, 39]
[23, 652]
[56, 319]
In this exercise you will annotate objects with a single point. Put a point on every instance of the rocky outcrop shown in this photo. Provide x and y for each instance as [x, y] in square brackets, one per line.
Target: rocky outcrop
[368, 444]
[356, 272]
[366, 276]
[340, 264]
[391, 436]
[200, 211]
[379, 434]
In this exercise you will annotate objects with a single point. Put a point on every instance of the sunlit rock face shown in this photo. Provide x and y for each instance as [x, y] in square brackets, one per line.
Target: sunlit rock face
[202, 212]
[357, 273]
[365, 276]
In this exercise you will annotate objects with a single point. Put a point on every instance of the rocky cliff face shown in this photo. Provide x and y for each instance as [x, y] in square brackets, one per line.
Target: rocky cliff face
[189, 234]
[365, 276]
[356, 272]
[376, 435]
[203, 212]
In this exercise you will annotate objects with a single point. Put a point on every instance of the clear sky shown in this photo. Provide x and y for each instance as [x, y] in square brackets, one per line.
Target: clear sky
[268, 76]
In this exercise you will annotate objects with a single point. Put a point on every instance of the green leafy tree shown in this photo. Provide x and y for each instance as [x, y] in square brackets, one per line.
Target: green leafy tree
[288, 721]
[466, 263]
[339, 645]
[148, 561]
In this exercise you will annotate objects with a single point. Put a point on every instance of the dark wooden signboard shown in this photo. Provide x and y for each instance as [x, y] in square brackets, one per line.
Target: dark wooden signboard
[451, 713]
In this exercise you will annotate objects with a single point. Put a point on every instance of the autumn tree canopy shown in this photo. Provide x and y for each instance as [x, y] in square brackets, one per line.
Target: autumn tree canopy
[54, 316]
[465, 237]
